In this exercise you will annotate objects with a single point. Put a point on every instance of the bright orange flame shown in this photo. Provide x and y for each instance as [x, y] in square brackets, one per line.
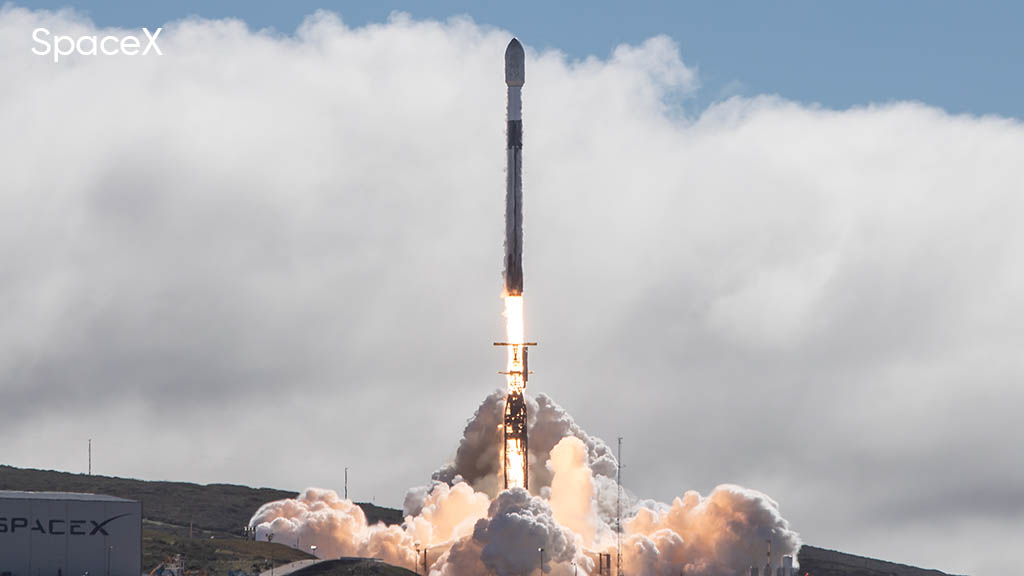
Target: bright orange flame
[516, 463]
[515, 335]
[515, 455]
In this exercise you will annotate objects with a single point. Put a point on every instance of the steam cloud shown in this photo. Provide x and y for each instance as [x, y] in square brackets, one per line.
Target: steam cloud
[469, 527]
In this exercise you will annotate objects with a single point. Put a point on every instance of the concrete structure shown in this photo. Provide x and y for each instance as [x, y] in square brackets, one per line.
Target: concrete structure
[289, 568]
[787, 566]
[67, 534]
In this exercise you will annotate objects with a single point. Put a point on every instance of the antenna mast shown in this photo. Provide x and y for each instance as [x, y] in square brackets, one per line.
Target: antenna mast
[618, 506]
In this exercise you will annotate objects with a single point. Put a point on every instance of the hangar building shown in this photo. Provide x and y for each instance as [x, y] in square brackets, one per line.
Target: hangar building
[66, 534]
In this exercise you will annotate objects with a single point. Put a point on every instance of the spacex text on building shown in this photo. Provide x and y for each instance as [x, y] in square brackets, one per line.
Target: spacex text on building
[57, 526]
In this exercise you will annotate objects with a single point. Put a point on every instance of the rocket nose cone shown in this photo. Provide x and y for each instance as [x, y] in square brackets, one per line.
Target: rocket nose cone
[515, 64]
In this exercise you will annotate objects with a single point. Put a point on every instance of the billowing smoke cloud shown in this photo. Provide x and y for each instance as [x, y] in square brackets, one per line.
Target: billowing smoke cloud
[519, 533]
[447, 513]
[477, 460]
[708, 535]
[336, 526]
[572, 488]
[565, 523]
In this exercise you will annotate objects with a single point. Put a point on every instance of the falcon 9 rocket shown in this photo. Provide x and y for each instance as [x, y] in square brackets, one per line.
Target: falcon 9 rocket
[515, 464]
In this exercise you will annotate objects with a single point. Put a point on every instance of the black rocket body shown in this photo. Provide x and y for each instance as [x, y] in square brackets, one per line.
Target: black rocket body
[515, 77]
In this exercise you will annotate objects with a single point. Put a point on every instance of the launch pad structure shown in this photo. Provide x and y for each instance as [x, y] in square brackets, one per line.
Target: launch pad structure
[515, 436]
[515, 445]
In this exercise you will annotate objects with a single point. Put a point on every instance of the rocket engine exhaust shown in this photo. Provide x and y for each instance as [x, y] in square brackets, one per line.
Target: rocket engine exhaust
[515, 452]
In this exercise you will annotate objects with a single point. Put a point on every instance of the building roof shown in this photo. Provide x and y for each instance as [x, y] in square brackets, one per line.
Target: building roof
[19, 495]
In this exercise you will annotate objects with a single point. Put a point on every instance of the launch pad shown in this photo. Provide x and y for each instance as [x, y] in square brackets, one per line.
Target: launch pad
[516, 442]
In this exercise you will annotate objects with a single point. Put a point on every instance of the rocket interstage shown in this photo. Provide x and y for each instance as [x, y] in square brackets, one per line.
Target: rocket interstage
[515, 447]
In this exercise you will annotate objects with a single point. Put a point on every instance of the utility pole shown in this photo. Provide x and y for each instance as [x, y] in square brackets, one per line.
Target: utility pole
[619, 508]
[90, 456]
[270, 538]
[346, 482]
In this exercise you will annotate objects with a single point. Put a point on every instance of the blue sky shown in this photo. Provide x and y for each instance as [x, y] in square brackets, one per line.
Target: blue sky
[961, 56]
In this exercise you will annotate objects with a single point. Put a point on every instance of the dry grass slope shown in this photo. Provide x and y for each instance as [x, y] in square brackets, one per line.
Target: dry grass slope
[822, 562]
[353, 567]
[221, 510]
[214, 556]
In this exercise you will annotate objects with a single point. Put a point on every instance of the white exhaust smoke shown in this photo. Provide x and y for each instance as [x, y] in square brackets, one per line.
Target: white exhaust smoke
[468, 527]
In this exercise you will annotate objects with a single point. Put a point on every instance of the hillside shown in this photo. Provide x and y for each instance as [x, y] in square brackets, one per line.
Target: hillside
[353, 567]
[823, 562]
[223, 508]
[217, 513]
[213, 555]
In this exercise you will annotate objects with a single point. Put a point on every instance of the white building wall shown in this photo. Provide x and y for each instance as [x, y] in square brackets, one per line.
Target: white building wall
[50, 536]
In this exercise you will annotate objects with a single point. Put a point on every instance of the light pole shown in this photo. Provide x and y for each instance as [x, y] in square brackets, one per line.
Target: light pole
[109, 548]
[270, 538]
[541, 550]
